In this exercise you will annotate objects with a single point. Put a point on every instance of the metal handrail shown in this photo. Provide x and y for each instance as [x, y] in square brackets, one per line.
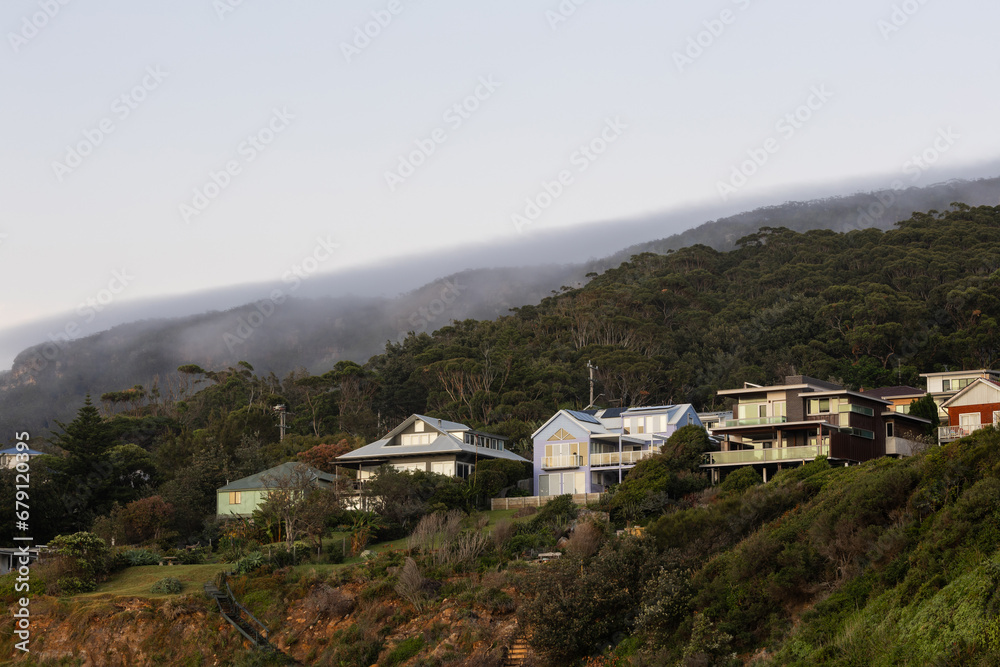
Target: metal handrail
[243, 614]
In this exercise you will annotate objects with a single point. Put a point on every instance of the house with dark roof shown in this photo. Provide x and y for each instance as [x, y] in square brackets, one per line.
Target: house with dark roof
[586, 451]
[431, 445]
[900, 396]
[805, 418]
[974, 406]
[240, 498]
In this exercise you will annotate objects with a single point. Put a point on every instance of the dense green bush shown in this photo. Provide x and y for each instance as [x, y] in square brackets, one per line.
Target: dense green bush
[740, 480]
[168, 585]
[249, 563]
[137, 557]
[558, 511]
[580, 604]
[405, 650]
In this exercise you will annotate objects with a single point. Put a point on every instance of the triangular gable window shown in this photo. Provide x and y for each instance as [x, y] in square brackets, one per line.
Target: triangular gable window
[562, 434]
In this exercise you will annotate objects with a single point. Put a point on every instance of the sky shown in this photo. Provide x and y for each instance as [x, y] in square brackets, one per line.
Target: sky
[153, 148]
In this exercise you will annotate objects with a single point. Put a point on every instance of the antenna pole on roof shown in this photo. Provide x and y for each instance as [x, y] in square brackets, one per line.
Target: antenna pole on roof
[591, 367]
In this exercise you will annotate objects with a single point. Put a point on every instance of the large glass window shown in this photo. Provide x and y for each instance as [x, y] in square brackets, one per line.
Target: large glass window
[235, 498]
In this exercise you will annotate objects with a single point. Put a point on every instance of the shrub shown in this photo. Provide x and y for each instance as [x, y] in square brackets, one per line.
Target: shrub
[739, 481]
[527, 510]
[84, 560]
[249, 563]
[586, 539]
[167, 585]
[558, 511]
[138, 557]
[410, 586]
[191, 556]
[404, 650]
[502, 532]
[74, 585]
[495, 601]
[335, 554]
[324, 600]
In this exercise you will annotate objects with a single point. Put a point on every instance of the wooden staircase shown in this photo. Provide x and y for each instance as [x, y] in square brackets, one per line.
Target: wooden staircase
[238, 616]
[518, 652]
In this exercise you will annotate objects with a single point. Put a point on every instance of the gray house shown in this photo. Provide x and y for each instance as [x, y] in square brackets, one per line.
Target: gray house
[429, 444]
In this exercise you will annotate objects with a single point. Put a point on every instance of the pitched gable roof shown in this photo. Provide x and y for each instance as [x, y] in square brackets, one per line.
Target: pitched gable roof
[263, 479]
[990, 384]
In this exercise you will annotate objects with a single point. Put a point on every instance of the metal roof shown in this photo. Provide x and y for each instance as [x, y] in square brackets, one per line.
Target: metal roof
[266, 478]
[14, 451]
[444, 443]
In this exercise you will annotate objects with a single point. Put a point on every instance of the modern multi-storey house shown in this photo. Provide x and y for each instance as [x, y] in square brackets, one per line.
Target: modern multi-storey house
[974, 406]
[431, 445]
[944, 385]
[790, 424]
[586, 451]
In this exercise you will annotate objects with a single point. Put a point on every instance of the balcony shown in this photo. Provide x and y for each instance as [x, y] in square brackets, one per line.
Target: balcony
[567, 461]
[756, 421]
[775, 454]
[620, 459]
[896, 446]
[950, 433]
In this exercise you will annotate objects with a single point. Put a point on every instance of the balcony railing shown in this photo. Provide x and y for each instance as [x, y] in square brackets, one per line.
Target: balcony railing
[949, 433]
[757, 421]
[566, 461]
[765, 455]
[622, 458]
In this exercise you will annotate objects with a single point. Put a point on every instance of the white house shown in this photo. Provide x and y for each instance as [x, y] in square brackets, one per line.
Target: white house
[432, 445]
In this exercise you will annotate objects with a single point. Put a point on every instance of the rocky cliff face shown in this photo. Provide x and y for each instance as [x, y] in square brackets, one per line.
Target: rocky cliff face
[324, 626]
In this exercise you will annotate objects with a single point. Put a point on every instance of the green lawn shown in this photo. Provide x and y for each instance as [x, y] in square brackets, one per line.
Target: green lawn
[138, 580]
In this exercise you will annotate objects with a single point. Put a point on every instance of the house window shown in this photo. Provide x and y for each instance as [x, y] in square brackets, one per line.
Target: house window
[561, 434]
[945, 385]
[971, 421]
[418, 426]
[751, 410]
[443, 468]
[690, 420]
[415, 439]
[888, 430]
[573, 482]
[463, 470]
[819, 406]
[235, 498]
[548, 485]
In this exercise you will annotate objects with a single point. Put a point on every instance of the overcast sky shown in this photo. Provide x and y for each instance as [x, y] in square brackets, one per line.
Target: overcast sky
[152, 148]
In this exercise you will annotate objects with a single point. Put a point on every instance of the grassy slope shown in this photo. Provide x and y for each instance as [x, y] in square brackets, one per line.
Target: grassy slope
[136, 581]
[888, 563]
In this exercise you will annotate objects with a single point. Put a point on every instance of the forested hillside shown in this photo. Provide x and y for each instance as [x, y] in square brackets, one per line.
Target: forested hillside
[895, 559]
[865, 308]
[48, 381]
